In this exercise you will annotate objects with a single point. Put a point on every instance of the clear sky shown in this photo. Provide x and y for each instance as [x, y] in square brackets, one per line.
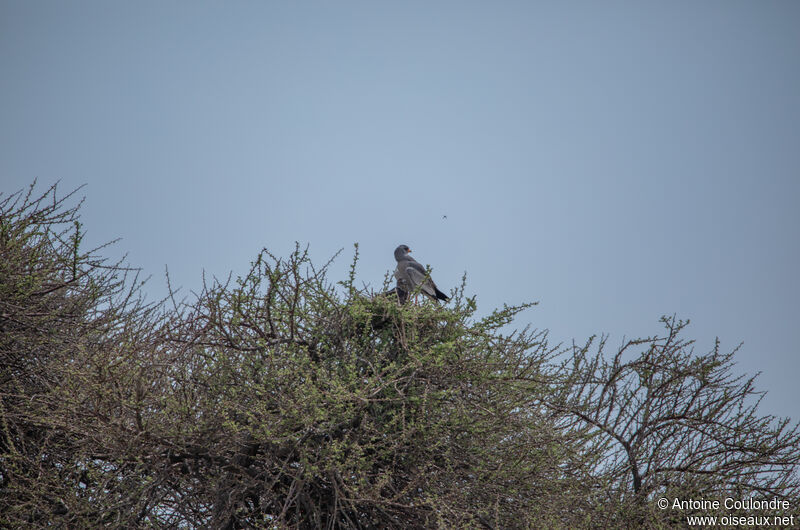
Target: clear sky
[615, 161]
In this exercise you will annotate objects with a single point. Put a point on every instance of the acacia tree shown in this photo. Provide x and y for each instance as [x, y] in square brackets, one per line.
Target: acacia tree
[279, 399]
[672, 423]
[273, 400]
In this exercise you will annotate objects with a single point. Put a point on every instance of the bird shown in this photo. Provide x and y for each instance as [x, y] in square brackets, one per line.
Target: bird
[410, 275]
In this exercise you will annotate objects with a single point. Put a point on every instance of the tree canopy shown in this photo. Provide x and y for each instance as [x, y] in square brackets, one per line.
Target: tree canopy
[283, 399]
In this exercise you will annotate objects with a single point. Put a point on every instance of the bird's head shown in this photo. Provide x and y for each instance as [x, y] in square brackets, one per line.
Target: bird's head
[401, 251]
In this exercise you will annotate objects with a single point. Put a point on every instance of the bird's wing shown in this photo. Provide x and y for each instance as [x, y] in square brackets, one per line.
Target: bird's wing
[419, 278]
[411, 262]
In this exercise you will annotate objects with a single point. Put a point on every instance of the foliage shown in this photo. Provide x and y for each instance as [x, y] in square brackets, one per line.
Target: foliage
[279, 399]
[60, 309]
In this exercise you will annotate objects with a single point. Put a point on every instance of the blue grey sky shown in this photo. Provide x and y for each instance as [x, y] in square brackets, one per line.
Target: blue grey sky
[615, 161]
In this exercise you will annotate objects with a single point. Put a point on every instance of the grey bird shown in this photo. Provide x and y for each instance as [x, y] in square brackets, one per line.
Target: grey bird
[410, 275]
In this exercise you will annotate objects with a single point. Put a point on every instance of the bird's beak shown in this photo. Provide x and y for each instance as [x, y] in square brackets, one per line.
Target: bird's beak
[409, 251]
